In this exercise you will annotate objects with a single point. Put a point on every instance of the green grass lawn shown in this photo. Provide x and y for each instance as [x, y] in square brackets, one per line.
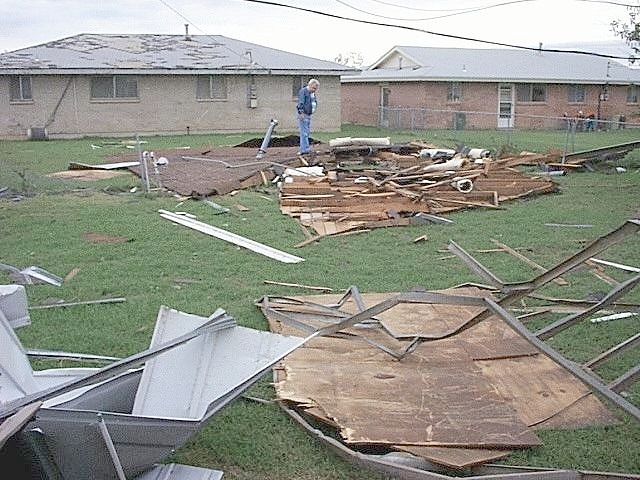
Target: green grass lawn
[159, 263]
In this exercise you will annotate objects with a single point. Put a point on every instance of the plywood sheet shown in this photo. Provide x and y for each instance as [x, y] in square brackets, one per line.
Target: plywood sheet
[456, 457]
[460, 401]
[542, 392]
[434, 398]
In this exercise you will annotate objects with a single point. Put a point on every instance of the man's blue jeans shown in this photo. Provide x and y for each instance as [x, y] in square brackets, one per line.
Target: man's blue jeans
[304, 123]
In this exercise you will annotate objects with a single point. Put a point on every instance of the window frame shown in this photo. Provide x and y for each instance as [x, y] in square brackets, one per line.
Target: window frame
[529, 90]
[116, 90]
[212, 87]
[632, 94]
[20, 94]
[297, 82]
[454, 92]
[576, 93]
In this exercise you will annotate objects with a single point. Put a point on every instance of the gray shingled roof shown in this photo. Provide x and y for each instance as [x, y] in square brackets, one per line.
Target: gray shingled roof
[497, 65]
[159, 53]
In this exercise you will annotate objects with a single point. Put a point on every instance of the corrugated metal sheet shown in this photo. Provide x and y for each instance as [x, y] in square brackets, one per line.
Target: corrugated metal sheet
[13, 304]
[175, 471]
[210, 366]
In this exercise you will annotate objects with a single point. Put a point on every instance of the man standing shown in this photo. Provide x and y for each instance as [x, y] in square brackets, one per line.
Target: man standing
[307, 103]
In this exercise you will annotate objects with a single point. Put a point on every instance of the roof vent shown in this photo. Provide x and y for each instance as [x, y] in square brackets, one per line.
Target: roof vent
[186, 32]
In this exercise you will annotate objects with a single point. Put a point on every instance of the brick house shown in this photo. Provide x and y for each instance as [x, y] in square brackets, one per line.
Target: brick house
[421, 87]
[120, 85]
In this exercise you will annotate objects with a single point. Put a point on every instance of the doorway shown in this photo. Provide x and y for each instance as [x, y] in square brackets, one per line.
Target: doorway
[505, 105]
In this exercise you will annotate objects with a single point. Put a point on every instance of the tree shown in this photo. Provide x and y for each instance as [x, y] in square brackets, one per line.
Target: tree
[350, 59]
[629, 31]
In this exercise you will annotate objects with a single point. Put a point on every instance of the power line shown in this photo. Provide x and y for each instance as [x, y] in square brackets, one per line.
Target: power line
[439, 34]
[209, 36]
[455, 12]
[390, 4]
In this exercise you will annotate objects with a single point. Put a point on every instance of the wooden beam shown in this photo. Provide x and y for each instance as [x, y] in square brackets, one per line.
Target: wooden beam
[528, 261]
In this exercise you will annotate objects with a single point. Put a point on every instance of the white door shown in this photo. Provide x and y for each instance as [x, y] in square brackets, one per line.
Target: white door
[505, 106]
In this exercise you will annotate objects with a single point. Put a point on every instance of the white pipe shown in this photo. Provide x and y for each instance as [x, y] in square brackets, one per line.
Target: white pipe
[453, 164]
[477, 153]
[463, 185]
[617, 265]
[615, 316]
[348, 141]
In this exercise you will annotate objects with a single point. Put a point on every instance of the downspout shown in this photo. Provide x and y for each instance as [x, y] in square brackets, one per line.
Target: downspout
[52, 117]
[75, 105]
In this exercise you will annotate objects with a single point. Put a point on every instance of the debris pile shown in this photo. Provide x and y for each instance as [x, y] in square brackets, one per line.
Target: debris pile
[119, 421]
[368, 185]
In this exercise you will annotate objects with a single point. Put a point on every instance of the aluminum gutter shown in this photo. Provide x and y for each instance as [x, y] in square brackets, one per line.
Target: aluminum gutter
[164, 71]
[416, 78]
[231, 238]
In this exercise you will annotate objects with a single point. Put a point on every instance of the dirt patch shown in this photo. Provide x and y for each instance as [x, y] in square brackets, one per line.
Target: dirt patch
[288, 141]
[89, 175]
[102, 238]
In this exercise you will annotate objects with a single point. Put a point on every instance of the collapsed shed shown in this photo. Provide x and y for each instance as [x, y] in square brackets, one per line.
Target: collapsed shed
[450, 377]
[119, 421]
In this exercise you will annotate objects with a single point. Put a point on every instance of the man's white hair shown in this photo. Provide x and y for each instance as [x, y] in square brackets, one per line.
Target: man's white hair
[313, 81]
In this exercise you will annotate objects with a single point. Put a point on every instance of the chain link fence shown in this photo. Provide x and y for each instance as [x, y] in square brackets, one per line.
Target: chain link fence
[564, 133]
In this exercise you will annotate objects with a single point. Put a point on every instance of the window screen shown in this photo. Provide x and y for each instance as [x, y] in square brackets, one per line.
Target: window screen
[575, 94]
[454, 93]
[211, 87]
[531, 92]
[20, 87]
[298, 83]
[116, 86]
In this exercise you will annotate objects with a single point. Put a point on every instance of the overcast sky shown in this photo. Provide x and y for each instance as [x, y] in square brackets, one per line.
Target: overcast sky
[553, 23]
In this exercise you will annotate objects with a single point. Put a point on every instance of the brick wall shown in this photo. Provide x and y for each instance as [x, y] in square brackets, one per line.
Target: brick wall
[166, 104]
[479, 102]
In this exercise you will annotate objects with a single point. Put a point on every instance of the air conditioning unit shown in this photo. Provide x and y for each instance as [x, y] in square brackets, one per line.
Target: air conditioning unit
[37, 133]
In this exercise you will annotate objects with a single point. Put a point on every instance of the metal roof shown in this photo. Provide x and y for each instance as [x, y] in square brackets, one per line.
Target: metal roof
[147, 54]
[494, 65]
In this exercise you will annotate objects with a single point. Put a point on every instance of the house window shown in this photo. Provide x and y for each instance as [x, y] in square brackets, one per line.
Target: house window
[575, 94]
[297, 84]
[20, 88]
[531, 92]
[211, 87]
[454, 94]
[115, 86]
[632, 94]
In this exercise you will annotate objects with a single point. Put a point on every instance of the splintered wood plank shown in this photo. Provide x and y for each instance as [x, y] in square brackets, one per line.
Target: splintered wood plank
[527, 260]
[324, 228]
[456, 457]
